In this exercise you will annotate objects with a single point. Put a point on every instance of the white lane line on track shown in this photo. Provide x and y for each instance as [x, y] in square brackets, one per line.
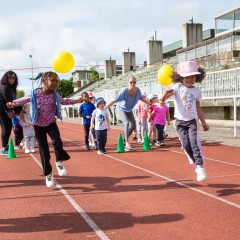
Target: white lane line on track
[172, 180]
[177, 182]
[77, 207]
[174, 151]
[211, 159]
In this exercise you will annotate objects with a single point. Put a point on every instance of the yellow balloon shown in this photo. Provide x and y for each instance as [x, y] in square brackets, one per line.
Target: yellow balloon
[63, 62]
[164, 74]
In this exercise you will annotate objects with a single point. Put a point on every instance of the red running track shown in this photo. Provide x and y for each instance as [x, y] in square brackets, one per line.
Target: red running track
[137, 195]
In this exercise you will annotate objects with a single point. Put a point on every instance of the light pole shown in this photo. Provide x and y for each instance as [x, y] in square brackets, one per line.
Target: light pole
[32, 68]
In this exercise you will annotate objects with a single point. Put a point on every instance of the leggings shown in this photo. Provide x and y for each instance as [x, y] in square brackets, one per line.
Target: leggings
[18, 133]
[6, 125]
[129, 123]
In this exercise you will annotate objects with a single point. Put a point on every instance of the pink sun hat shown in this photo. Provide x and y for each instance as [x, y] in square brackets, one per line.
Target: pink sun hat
[90, 94]
[188, 68]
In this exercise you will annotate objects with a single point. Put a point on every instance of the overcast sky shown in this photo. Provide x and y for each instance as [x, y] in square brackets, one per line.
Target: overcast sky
[92, 30]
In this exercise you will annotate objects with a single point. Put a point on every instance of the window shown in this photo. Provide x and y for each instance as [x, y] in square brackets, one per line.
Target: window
[224, 23]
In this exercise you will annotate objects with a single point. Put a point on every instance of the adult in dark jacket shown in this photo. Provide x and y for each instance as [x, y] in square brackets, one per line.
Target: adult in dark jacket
[8, 93]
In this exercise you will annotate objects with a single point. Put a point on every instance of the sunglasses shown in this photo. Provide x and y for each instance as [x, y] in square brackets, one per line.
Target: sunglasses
[132, 82]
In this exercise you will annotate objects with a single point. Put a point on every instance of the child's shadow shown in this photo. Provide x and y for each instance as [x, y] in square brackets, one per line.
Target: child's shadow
[71, 222]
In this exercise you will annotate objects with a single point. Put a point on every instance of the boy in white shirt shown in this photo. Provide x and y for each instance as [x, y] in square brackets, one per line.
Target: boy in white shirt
[102, 125]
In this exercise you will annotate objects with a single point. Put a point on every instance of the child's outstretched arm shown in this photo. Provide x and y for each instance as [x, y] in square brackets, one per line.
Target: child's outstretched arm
[18, 102]
[167, 94]
[201, 117]
[69, 101]
[11, 105]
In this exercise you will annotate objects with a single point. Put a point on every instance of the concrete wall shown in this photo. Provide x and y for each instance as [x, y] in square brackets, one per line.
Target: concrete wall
[129, 62]
[154, 52]
[192, 33]
[110, 69]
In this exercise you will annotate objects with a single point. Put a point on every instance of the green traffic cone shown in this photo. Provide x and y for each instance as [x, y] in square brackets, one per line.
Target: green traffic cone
[146, 142]
[120, 146]
[11, 150]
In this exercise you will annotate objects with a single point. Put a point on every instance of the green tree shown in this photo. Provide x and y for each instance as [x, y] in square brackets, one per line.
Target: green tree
[20, 93]
[94, 75]
[65, 88]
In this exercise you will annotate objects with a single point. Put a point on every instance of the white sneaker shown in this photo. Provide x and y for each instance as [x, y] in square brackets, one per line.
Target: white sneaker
[32, 150]
[100, 152]
[50, 181]
[61, 169]
[201, 174]
[27, 150]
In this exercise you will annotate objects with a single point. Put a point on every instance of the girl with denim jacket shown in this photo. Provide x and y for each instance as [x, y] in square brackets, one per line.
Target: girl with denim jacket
[44, 108]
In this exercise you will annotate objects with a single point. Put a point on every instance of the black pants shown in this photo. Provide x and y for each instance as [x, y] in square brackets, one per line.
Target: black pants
[101, 136]
[41, 136]
[86, 134]
[18, 133]
[6, 125]
[160, 129]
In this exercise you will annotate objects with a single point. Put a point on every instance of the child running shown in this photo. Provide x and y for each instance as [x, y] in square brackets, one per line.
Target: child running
[151, 126]
[28, 129]
[85, 110]
[45, 104]
[102, 123]
[18, 131]
[159, 115]
[142, 118]
[188, 111]
[91, 138]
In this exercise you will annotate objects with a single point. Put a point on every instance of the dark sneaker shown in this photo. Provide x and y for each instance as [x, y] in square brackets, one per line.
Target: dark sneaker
[134, 138]
[162, 143]
[104, 151]
[165, 136]
[4, 151]
[87, 148]
[153, 142]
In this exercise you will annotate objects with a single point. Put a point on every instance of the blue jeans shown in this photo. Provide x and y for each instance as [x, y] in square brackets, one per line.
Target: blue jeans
[101, 137]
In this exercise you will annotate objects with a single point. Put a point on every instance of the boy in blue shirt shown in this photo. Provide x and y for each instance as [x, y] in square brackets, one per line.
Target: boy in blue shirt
[86, 109]
[18, 131]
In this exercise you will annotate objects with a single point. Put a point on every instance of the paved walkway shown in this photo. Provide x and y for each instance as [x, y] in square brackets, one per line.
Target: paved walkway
[221, 131]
